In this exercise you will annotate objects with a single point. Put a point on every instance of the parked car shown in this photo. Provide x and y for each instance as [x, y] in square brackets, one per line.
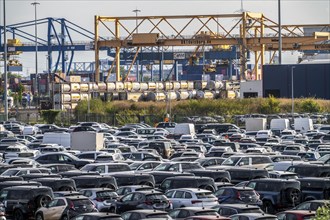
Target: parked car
[65, 208]
[101, 197]
[296, 214]
[142, 200]
[145, 214]
[237, 195]
[191, 197]
[21, 202]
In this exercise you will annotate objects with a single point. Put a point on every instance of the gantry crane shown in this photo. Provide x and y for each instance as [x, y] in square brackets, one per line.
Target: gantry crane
[249, 31]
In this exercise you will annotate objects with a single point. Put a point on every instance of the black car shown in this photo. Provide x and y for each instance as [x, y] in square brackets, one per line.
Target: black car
[188, 182]
[62, 158]
[6, 184]
[22, 201]
[51, 128]
[161, 175]
[277, 194]
[310, 170]
[127, 178]
[57, 184]
[217, 175]
[244, 174]
[142, 200]
[313, 188]
[95, 181]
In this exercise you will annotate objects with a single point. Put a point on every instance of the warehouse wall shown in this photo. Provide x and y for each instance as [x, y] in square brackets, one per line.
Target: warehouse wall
[309, 80]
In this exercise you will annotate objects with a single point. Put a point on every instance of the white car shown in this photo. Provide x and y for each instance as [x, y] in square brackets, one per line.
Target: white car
[191, 197]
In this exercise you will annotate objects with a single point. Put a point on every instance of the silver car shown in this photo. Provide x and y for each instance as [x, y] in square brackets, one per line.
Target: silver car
[191, 197]
[101, 197]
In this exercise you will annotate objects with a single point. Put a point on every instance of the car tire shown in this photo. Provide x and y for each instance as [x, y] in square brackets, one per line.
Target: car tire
[207, 187]
[147, 184]
[39, 216]
[110, 186]
[327, 194]
[18, 215]
[268, 207]
[292, 195]
[65, 217]
[43, 200]
[222, 180]
[112, 210]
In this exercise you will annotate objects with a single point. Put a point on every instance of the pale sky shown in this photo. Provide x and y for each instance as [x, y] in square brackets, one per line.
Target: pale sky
[82, 13]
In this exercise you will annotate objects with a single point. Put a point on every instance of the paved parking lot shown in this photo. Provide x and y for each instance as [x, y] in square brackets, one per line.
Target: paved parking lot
[260, 168]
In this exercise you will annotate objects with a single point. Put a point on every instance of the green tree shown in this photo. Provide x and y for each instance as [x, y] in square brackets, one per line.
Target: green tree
[323, 213]
[49, 115]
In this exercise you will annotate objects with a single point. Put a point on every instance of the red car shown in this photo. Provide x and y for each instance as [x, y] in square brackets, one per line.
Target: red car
[296, 214]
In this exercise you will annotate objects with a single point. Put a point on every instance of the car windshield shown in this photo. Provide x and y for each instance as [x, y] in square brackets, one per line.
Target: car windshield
[134, 166]
[232, 161]
[10, 173]
[162, 167]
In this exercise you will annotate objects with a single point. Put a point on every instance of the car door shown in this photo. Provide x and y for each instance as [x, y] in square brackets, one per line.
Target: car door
[177, 199]
[55, 209]
[125, 203]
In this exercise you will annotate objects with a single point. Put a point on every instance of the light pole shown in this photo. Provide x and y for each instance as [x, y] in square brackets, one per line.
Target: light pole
[279, 34]
[35, 4]
[5, 61]
[136, 11]
[292, 93]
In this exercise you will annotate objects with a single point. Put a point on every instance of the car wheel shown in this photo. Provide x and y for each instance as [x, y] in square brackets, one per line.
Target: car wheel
[43, 200]
[147, 184]
[18, 215]
[65, 217]
[222, 180]
[39, 217]
[110, 186]
[293, 195]
[112, 210]
[208, 187]
[268, 207]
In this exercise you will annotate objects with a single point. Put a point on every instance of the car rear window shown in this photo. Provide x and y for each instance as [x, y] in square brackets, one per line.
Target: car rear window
[155, 197]
[205, 195]
[252, 210]
[208, 212]
[247, 193]
[106, 194]
[81, 202]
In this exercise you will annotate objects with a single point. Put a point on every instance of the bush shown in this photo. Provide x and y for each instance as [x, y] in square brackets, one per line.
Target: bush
[49, 115]
[323, 213]
[270, 106]
[309, 105]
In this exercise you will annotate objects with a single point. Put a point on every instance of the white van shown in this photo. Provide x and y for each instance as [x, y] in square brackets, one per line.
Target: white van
[303, 125]
[184, 128]
[280, 124]
[60, 138]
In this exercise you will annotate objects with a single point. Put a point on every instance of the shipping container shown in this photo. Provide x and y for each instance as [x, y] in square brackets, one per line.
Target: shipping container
[156, 96]
[119, 86]
[102, 86]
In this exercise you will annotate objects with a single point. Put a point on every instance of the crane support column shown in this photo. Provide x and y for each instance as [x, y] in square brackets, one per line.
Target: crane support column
[117, 26]
[97, 55]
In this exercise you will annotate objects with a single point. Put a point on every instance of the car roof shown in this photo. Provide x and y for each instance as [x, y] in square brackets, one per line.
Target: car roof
[195, 190]
[254, 215]
[148, 211]
[239, 206]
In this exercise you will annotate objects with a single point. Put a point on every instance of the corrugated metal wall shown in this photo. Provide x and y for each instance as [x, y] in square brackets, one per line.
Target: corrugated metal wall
[309, 80]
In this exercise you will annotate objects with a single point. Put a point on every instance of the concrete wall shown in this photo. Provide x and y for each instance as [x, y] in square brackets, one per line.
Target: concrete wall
[250, 87]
